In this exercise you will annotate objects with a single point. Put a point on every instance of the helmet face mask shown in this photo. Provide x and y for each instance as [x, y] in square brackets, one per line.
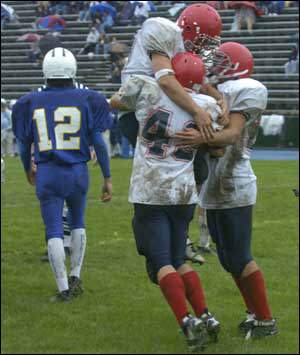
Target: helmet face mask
[201, 27]
[231, 61]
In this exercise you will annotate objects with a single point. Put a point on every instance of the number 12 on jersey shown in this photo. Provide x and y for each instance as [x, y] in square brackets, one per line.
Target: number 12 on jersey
[61, 129]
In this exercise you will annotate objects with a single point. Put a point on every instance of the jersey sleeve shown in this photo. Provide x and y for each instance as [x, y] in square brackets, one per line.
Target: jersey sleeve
[100, 110]
[22, 122]
[162, 36]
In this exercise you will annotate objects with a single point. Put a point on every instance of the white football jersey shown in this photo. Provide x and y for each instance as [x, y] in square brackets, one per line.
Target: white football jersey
[231, 182]
[162, 172]
[156, 35]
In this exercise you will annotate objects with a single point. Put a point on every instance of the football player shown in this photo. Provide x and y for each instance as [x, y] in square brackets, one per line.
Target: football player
[164, 194]
[59, 121]
[229, 193]
[197, 30]
[156, 43]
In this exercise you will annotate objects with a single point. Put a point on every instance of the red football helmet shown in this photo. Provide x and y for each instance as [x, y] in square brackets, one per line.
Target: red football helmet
[232, 60]
[201, 27]
[189, 70]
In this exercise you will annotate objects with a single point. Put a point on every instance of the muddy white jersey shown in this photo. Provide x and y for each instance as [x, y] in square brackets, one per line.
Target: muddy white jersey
[162, 172]
[158, 35]
[231, 182]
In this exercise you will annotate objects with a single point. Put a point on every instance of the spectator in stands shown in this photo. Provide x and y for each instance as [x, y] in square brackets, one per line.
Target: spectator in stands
[141, 12]
[107, 22]
[42, 8]
[127, 12]
[292, 66]
[83, 9]
[35, 53]
[8, 14]
[6, 130]
[272, 8]
[49, 41]
[103, 45]
[245, 11]
[116, 69]
[91, 42]
[59, 7]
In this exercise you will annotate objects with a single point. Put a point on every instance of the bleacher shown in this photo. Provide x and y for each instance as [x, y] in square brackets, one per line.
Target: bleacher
[270, 44]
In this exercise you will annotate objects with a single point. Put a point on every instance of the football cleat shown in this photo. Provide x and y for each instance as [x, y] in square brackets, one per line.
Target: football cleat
[64, 296]
[247, 324]
[195, 333]
[192, 255]
[262, 328]
[75, 285]
[212, 325]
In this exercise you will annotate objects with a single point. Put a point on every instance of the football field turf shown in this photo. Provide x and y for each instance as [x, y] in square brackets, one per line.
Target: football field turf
[121, 311]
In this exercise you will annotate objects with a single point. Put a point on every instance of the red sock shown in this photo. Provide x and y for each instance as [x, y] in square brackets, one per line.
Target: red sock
[243, 292]
[194, 292]
[173, 289]
[254, 286]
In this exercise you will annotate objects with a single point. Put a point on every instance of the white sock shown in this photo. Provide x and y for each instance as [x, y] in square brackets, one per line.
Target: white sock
[204, 233]
[57, 258]
[77, 250]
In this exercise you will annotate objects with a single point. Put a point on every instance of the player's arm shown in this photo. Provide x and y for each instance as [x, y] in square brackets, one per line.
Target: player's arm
[116, 104]
[162, 68]
[103, 159]
[209, 90]
[25, 155]
[228, 136]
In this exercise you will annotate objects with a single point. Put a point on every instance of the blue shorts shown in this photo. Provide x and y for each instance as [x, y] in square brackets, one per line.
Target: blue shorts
[56, 184]
[231, 230]
[161, 233]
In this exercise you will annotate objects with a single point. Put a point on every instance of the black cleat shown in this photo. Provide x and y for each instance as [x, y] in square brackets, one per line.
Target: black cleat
[64, 296]
[212, 325]
[195, 333]
[75, 285]
[262, 328]
[247, 324]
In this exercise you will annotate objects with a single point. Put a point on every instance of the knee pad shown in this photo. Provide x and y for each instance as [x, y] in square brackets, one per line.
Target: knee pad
[152, 272]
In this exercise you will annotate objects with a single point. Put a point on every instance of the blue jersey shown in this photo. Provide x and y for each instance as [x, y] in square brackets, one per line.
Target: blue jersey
[59, 121]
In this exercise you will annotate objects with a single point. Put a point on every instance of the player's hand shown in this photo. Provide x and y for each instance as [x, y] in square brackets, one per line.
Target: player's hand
[106, 191]
[203, 121]
[189, 137]
[224, 118]
[30, 175]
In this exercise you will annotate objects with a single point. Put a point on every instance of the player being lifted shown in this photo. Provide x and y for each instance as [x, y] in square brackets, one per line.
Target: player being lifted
[197, 30]
[229, 193]
[59, 121]
[164, 195]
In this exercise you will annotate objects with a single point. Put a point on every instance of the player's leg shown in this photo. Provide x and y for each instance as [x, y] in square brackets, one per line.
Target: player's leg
[235, 228]
[50, 194]
[201, 173]
[67, 230]
[76, 203]
[204, 237]
[181, 216]
[152, 232]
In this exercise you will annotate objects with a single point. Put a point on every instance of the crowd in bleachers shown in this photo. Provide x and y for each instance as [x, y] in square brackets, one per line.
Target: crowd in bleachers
[102, 16]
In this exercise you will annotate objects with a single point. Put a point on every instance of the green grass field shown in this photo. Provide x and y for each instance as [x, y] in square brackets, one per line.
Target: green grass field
[121, 312]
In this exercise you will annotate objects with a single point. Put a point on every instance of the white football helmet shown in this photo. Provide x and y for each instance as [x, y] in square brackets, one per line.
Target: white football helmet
[59, 63]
